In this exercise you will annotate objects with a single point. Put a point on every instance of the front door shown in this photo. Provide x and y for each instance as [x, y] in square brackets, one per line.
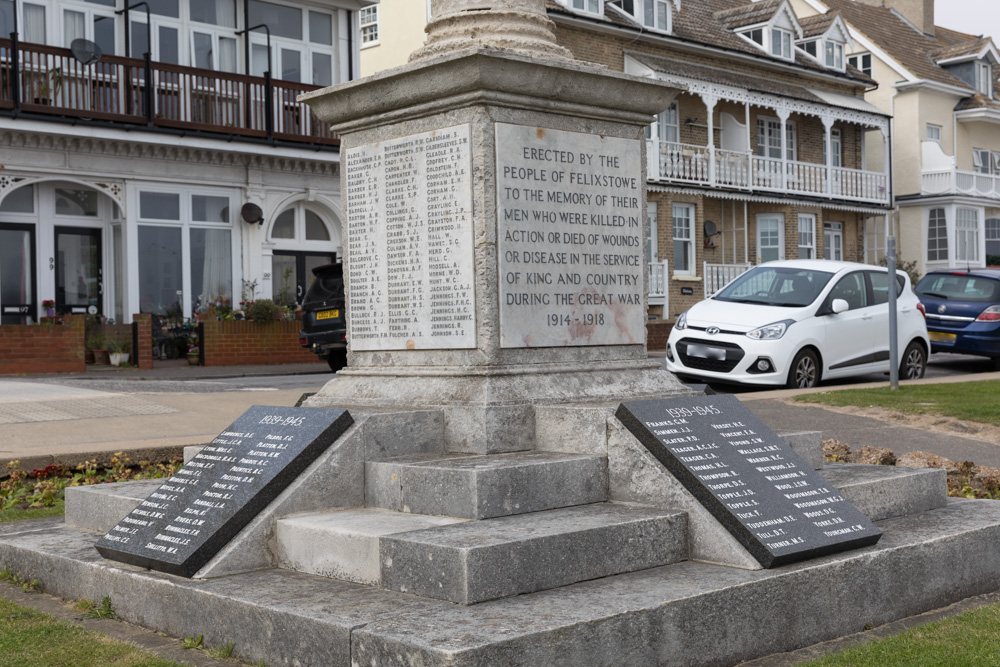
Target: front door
[79, 271]
[291, 274]
[18, 299]
[833, 240]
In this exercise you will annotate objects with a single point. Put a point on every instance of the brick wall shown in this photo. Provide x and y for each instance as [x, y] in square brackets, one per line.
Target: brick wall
[44, 348]
[657, 334]
[232, 343]
[143, 357]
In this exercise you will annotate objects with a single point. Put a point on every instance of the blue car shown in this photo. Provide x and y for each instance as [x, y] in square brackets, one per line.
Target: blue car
[963, 311]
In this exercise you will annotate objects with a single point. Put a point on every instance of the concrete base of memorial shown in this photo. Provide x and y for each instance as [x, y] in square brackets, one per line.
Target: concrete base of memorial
[493, 409]
[686, 613]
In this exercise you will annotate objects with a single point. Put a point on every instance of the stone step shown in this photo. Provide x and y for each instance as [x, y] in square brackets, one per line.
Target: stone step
[345, 544]
[496, 558]
[100, 506]
[485, 486]
[884, 492]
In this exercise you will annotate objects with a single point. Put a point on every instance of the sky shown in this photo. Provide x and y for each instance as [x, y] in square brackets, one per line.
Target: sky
[976, 17]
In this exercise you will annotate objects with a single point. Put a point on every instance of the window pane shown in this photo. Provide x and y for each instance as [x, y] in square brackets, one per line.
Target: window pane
[284, 226]
[320, 28]
[73, 27]
[104, 34]
[203, 51]
[315, 229]
[6, 18]
[291, 65]
[76, 202]
[106, 3]
[139, 43]
[169, 45]
[211, 266]
[15, 267]
[227, 54]
[284, 21]
[33, 29]
[22, 200]
[258, 60]
[283, 279]
[159, 206]
[160, 280]
[165, 7]
[216, 12]
[322, 74]
[209, 209]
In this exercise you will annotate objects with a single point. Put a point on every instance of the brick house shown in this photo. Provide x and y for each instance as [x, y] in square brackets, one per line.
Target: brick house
[772, 151]
[941, 87]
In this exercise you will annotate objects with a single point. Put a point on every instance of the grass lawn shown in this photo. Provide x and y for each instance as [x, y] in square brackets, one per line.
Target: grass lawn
[36, 513]
[970, 401]
[971, 639]
[32, 639]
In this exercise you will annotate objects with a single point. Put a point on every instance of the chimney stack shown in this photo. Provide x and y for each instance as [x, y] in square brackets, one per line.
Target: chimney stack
[918, 12]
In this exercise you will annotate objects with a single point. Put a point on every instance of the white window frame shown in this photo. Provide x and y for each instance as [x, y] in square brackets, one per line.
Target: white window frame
[305, 47]
[982, 161]
[595, 7]
[368, 20]
[807, 236]
[90, 12]
[834, 55]
[966, 235]
[833, 251]
[836, 148]
[984, 78]
[652, 226]
[991, 233]
[857, 61]
[767, 128]
[780, 43]
[875, 239]
[934, 133]
[650, 9]
[779, 219]
[939, 225]
[685, 226]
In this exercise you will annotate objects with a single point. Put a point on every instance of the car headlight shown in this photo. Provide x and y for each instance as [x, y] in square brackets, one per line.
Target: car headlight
[770, 331]
[682, 321]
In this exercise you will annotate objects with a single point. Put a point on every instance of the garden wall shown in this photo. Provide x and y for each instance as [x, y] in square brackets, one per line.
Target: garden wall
[657, 334]
[42, 348]
[231, 343]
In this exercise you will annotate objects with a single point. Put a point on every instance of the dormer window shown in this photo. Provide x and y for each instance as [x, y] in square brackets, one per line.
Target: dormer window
[656, 14]
[809, 47]
[781, 43]
[590, 6]
[984, 78]
[756, 36]
[862, 62]
[834, 55]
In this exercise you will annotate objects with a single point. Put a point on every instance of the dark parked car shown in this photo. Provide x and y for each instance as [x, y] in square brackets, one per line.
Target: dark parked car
[963, 311]
[324, 325]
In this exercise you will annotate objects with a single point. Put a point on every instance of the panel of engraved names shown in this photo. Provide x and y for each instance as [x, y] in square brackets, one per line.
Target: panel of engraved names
[569, 212]
[410, 261]
[769, 498]
[194, 513]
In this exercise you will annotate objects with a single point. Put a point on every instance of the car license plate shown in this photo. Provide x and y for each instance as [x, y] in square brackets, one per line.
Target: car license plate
[327, 314]
[939, 337]
[706, 352]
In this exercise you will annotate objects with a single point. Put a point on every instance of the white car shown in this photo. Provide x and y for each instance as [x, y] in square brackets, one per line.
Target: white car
[797, 322]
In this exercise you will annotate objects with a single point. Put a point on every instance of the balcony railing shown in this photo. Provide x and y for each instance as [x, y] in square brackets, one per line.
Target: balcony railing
[47, 80]
[714, 167]
[954, 182]
[718, 276]
[659, 294]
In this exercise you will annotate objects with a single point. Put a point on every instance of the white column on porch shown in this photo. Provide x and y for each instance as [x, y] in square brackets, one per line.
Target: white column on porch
[710, 102]
[783, 115]
[828, 152]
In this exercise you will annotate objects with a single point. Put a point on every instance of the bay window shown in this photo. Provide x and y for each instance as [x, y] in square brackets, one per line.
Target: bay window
[967, 235]
[937, 235]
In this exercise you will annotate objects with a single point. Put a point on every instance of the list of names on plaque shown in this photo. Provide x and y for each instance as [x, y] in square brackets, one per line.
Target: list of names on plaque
[765, 494]
[569, 228]
[410, 254]
[197, 511]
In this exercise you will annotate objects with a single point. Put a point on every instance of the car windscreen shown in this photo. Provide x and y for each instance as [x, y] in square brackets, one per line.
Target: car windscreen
[958, 287]
[326, 287]
[776, 286]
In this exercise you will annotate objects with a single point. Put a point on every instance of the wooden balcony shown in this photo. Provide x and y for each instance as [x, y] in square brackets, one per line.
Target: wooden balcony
[45, 80]
[713, 167]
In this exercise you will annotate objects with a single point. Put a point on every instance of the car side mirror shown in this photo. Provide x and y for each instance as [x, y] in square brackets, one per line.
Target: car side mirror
[839, 306]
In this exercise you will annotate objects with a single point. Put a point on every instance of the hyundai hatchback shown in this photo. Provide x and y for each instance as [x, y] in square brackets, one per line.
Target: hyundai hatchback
[798, 322]
[963, 312]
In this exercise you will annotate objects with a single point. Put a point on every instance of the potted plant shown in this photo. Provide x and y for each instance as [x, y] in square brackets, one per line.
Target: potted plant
[50, 307]
[48, 85]
[119, 351]
[193, 351]
[97, 346]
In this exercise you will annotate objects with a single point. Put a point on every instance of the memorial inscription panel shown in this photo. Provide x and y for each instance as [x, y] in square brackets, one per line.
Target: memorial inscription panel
[409, 246]
[773, 502]
[195, 513]
[570, 239]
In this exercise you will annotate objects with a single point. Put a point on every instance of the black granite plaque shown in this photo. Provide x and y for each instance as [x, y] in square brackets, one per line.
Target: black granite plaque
[195, 513]
[771, 500]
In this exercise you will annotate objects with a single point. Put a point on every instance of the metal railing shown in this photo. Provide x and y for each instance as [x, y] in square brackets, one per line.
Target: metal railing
[717, 276]
[47, 80]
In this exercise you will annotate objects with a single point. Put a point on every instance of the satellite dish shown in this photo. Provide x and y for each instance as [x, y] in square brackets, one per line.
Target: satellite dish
[251, 213]
[710, 228]
[85, 51]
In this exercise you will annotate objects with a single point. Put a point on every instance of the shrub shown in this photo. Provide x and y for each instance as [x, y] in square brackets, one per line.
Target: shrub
[264, 310]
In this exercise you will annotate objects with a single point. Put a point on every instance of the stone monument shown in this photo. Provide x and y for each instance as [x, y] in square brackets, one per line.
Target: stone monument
[495, 204]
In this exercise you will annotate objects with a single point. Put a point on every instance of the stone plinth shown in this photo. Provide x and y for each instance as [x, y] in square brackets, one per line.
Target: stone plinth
[494, 240]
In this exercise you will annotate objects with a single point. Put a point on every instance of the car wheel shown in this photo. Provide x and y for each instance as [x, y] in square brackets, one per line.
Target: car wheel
[805, 371]
[337, 360]
[914, 362]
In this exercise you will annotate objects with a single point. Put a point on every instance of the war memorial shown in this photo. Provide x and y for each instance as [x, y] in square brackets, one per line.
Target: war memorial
[501, 476]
